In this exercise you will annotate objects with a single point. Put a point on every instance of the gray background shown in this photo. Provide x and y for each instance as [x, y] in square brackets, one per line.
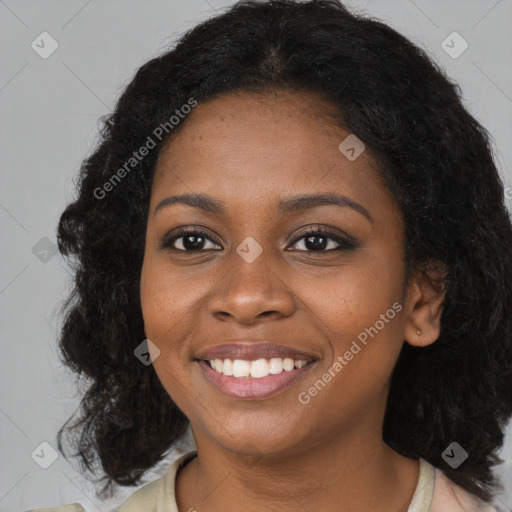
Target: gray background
[49, 112]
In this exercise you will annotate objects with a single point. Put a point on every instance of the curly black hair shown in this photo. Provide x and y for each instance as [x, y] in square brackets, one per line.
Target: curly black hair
[434, 156]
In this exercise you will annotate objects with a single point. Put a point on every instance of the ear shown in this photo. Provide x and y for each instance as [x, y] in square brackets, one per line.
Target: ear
[424, 304]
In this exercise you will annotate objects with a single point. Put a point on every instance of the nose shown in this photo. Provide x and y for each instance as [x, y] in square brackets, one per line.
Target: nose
[250, 293]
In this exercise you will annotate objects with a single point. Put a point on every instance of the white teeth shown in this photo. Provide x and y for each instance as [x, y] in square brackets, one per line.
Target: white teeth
[255, 369]
[228, 367]
[276, 365]
[259, 368]
[288, 364]
[241, 368]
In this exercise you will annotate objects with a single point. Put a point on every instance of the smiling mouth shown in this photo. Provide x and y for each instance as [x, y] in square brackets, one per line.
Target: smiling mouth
[255, 369]
[254, 380]
[246, 369]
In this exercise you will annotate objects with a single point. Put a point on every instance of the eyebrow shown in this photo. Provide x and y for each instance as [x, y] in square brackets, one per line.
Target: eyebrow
[285, 206]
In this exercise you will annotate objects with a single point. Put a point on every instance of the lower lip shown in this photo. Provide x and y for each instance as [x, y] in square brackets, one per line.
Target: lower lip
[250, 388]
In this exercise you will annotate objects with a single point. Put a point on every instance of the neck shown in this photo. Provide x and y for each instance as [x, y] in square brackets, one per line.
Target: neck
[350, 475]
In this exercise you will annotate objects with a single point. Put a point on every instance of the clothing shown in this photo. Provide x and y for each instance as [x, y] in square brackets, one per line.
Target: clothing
[434, 493]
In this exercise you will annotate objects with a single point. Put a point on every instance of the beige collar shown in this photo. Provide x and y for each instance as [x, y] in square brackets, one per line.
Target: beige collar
[424, 491]
[434, 492]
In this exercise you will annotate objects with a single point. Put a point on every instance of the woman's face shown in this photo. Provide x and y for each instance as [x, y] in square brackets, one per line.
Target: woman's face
[256, 277]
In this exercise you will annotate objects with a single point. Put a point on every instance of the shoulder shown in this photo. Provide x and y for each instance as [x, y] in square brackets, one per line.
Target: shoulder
[450, 497]
[74, 507]
[157, 495]
[145, 498]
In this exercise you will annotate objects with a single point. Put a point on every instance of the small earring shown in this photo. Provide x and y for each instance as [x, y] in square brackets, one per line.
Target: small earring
[418, 332]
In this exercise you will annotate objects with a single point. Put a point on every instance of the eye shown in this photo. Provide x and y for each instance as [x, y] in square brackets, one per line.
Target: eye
[312, 240]
[321, 240]
[189, 240]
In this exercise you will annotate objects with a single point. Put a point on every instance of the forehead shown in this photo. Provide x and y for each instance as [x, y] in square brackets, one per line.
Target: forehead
[241, 145]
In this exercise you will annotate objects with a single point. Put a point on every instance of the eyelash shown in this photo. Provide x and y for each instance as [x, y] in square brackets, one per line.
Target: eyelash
[344, 244]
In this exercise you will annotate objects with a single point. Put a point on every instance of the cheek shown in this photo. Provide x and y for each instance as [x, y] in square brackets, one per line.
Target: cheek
[351, 300]
[164, 296]
[359, 312]
[171, 302]
[162, 307]
[166, 324]
[360, 317]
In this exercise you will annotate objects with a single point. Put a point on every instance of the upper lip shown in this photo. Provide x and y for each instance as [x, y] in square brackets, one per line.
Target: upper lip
[251, 351]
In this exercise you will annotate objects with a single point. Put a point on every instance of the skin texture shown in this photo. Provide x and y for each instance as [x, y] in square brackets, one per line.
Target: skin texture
[249, 151]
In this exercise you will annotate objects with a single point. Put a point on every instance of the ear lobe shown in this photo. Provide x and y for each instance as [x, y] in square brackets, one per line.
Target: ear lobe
[425, 299]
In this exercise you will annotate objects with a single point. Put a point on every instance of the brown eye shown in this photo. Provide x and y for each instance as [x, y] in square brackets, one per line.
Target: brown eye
[319, 240]
[190, 240]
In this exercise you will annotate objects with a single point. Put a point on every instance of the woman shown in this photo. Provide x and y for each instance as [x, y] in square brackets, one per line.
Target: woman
[293, 239]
